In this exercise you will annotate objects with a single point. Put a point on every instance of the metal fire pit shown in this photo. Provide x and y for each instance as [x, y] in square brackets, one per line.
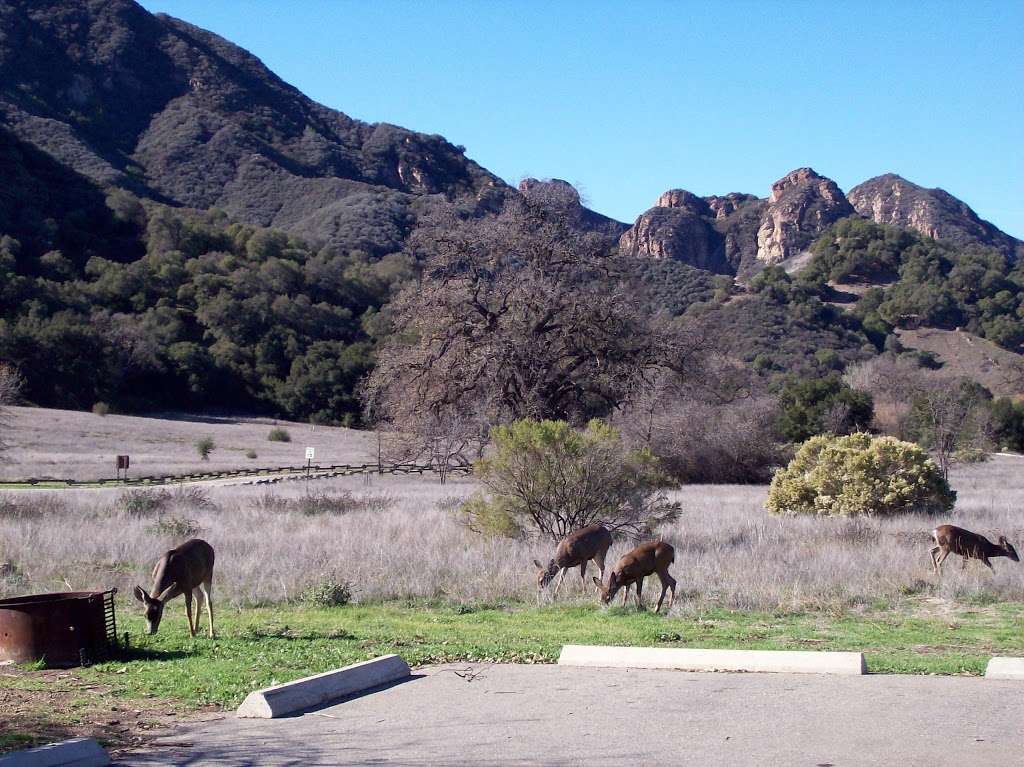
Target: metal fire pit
[75, 628]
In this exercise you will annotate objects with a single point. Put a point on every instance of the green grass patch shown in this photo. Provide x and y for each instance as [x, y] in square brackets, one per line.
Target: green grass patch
[259, 647]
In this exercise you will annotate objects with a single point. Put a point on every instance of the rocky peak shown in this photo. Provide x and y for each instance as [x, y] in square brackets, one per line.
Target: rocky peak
[724, 206]
[555, 185]
[566, 196]
[891, 199]
[801, 206]
[680, 198]
[713, 233]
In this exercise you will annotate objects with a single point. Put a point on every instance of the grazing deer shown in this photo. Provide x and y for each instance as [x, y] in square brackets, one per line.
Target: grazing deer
[950, 539]
[634, 566]
[186, 570]
[576, 549]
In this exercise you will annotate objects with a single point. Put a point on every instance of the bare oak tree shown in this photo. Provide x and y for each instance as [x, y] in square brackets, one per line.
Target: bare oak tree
[517, 315]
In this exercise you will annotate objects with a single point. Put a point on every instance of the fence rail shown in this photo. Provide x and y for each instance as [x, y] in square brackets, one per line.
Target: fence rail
[261, 475]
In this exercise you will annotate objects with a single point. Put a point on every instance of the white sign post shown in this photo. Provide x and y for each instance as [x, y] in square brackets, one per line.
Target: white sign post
[310, 455]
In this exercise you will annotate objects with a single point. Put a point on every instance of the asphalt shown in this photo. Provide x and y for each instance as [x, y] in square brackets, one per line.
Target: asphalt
[551, 715]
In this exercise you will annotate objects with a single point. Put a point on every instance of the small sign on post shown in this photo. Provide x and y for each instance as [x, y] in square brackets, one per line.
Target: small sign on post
[310, 455]
[122, 464]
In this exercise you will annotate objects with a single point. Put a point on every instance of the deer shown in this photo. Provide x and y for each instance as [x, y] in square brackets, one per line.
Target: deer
[575, 550]
[950, 539]
[646, 559]
[186, 570]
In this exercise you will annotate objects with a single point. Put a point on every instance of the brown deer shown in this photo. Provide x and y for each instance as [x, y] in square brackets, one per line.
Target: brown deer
[186, 570]
[575, 550]
[634, 566]
[950, 539]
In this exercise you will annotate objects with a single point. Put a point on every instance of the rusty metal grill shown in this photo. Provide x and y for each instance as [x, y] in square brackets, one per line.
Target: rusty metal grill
[64, 629]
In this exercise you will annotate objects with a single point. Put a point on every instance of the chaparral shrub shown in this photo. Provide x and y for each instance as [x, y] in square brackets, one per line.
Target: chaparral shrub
[859, 474]
[547, 477]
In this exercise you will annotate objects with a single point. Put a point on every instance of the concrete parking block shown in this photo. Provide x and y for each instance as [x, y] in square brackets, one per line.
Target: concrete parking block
[1005, 668]
[77, 752]
[688, 659]
[287, 698]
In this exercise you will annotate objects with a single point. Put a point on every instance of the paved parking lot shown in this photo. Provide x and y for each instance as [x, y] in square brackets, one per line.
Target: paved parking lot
[551, 715]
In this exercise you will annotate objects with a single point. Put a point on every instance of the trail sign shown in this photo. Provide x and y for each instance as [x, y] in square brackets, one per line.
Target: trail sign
[310, 453]
[122, 465]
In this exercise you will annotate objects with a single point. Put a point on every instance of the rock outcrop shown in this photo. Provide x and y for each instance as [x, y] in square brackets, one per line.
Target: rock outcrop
[712, 233]
[801, 206]
[564, 195]
[891, 199]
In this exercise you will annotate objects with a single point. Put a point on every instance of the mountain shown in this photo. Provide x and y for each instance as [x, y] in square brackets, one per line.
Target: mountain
[935, 213]
[180, 115]
[712, 233]
[739, 234]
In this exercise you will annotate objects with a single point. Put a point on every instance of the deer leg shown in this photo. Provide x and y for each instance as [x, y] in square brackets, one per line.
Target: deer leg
[188, 612]
[940, 560]
[583, 571]
[625, 593]
[672, 592]
[599, 561]
[206, 587]
[561, 577]
[987, 564]
[639, 594]
[935, 567]
[665, 581]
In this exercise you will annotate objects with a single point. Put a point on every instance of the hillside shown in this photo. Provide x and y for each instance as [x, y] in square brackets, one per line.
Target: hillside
[178, 114]
[965, 355]
[181, 229]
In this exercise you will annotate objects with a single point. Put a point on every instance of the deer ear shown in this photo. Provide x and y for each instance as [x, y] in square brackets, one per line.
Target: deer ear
[140, 594]
[597, 582]
[539, 565]
[166, 593]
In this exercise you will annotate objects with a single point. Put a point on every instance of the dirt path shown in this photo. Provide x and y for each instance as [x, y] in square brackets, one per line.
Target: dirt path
[39, 707]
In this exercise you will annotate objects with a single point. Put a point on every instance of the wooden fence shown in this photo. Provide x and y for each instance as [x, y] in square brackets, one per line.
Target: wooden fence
[277, 474]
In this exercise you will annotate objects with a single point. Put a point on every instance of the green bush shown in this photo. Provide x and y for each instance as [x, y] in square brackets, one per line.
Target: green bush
[278, 434]
[204, 447]
[251, 454]
[101, 409]
[813, 406]
[859, 474]
[547, 477]
[327, 592]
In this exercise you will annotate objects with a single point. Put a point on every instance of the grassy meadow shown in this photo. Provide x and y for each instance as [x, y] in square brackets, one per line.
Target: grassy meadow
[68, 444]
[421, 584]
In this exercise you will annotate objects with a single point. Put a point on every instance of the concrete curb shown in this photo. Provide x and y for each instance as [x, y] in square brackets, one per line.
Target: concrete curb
[79, 752]
[287, 698]
[685, 659]
[1005, 668]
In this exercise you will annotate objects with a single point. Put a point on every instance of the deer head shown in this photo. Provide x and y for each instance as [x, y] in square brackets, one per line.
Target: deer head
[154, 605]
[608, 594]
[545, 574]
[1006, 546]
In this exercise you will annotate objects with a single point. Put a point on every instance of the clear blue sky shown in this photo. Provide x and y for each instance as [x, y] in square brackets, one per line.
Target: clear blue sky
[629, 99]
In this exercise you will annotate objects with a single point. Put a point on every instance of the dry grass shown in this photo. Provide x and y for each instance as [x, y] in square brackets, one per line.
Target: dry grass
[68, 444]
[397, 538]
